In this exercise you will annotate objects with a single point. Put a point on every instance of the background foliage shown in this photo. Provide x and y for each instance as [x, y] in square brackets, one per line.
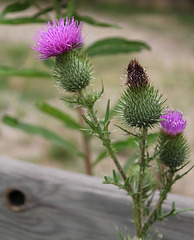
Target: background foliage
[23, 83]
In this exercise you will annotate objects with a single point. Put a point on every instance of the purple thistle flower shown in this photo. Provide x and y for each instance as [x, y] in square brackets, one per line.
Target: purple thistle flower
[57, 39]
[173, 122]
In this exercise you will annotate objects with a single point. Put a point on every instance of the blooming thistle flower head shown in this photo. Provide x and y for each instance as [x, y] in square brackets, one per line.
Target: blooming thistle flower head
[60, 37]
[173, 145]
[173, 122]
[136, 75]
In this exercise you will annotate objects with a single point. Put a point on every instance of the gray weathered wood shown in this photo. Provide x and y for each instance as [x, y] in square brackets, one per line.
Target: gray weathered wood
[67, 206]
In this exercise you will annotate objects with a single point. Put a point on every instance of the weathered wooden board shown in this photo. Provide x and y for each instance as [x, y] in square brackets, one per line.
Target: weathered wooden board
[65, 206]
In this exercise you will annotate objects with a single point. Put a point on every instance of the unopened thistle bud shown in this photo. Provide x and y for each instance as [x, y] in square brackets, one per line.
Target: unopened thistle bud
[72, 71]
[174, 147]
[136, 75]
[140, 105]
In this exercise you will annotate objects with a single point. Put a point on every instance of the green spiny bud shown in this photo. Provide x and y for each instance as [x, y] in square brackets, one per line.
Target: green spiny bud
[72, 71]
[174, 149]
[140, 107]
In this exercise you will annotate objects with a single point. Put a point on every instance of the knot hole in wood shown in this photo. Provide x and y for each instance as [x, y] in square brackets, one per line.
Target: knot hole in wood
[16, 199]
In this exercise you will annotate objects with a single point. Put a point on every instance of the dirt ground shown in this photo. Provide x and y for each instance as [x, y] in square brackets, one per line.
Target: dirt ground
[169, 65]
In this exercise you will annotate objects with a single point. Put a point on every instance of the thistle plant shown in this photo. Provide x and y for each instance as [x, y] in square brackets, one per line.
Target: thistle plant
[140, 109]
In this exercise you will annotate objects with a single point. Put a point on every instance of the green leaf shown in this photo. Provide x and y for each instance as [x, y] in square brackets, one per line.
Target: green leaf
[115, 46]
[119, 146]
[22, 20]
[152, 138]
[57, 113]
[49, 62]
[43, 11]
[183, 210]
[129, 143]
[115, 176]
[130, 162]
[43, 132]
[100, 157]
[106, 119]
[16, 7]
[94, 22]
[70, 8]
[28, 72]
[121, 235]
[125, 144]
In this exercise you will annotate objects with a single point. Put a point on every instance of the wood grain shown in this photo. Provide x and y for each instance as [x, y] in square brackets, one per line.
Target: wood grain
[68, 206]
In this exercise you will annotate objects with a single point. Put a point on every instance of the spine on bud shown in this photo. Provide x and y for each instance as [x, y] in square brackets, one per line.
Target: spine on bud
[72, 71]
[140, 105]
[173, 145]
[174, 150]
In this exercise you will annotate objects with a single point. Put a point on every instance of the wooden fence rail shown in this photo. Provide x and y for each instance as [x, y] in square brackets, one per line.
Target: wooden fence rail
[43, 203]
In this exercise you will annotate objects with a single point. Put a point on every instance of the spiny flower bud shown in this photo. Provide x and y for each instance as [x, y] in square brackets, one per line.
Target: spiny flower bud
[173, 145]
[140, 105]
[72, 71]
[136, 75]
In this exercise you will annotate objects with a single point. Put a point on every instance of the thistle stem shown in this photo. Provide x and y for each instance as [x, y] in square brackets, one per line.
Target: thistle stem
[141, 176]
[86, 144]
[163, 195]
[106, 141]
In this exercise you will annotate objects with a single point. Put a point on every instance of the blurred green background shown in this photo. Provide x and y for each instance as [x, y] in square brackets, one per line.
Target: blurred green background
[166, 26]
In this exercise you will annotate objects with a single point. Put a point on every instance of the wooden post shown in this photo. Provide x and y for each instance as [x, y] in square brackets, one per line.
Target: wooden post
[40, 203]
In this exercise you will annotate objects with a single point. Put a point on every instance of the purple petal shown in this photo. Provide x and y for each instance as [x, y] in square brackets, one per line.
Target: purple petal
[173, 122]
[53, 40]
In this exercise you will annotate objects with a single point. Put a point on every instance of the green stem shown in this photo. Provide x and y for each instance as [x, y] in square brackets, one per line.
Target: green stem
[86, 144]
[107, 143]
[141, 176]
[163, 195]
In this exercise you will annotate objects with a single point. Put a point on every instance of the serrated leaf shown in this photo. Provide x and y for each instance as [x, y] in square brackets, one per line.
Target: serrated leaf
[57, 113]
[28, 72]
[43, 132]
[16, 7]
[22, 20]
[94, 22]
[115, 45]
